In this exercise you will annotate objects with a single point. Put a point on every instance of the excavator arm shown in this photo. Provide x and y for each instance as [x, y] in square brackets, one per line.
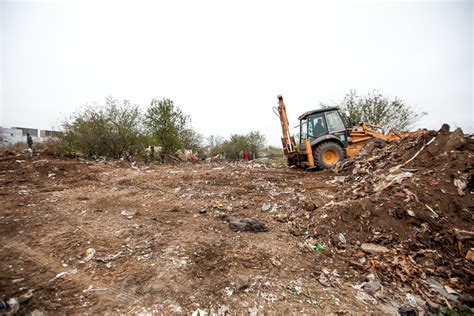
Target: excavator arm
[290, 149]
[289, 146]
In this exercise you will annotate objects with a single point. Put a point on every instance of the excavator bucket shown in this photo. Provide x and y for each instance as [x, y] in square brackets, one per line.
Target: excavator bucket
[360, 135]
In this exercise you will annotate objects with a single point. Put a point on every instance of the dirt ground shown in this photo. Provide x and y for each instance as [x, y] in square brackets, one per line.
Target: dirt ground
[176, 254]
[101, 237]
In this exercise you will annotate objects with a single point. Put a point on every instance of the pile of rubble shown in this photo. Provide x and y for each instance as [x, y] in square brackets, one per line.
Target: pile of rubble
[405, 212]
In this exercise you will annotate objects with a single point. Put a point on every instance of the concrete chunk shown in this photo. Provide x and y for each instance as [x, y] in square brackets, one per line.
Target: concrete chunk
[373, 248]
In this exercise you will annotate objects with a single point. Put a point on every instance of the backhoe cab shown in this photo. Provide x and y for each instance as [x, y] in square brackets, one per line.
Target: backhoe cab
[326, 137]
[327, 132]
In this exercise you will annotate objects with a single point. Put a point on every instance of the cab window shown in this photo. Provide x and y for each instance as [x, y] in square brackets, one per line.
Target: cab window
[317, 125]
[334, 121]
[303, 131]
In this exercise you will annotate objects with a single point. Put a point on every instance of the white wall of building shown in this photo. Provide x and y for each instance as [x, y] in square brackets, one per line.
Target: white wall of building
[12, 136]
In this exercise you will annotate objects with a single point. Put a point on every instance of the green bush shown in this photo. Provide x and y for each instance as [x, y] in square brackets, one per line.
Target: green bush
[235, 147]
[168, 128]
[114, 130]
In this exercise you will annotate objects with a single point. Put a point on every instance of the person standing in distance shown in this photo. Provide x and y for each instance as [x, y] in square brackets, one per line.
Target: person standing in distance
[29, 140]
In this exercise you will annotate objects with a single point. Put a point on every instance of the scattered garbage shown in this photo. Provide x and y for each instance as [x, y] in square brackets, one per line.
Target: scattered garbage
[269, 297]
[18, 280]
[128, 214]
[366, 298]
[372, 287]
[371, 277]
[338, 179]
[12, 305]
[147, 256]
[470, 255]
[391, 179]
[92, 289]
[461, 184]
[111, 257]
[373, 249]
[244, 224]
[90, 253]
[411, 299]
[342, 239]
[253, 311]
[433, 214]
[297, 290]
[223, 310]
[275, 262]
[199, 312]
[438, 287]
[266, 207]
[319, 247]
[450, 290]
[65, 273]
[323, 279]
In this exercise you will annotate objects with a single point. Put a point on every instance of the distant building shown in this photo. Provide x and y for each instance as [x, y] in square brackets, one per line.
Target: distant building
[32, 131]
[13, 135]
[48, 133]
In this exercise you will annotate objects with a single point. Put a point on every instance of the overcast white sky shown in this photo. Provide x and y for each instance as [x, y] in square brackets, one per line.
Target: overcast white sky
[224, 62]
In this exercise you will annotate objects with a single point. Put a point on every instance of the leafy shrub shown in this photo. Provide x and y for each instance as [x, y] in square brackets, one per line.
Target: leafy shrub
[113, 130]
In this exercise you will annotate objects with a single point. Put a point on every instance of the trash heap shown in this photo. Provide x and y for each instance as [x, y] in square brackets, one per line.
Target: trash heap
[405, 211]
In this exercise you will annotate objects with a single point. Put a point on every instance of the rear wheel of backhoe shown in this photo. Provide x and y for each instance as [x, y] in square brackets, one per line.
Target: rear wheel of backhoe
[328, 154]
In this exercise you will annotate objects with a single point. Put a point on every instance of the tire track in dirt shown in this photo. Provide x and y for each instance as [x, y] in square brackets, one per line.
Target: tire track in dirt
[114, 294]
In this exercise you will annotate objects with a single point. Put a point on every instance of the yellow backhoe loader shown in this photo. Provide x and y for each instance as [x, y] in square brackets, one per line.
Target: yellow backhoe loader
[326, 137]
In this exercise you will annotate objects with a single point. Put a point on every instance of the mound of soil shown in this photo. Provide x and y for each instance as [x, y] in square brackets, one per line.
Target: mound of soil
[415, 197]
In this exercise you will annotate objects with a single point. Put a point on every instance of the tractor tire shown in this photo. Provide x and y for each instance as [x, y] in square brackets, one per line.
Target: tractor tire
[328, 154]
